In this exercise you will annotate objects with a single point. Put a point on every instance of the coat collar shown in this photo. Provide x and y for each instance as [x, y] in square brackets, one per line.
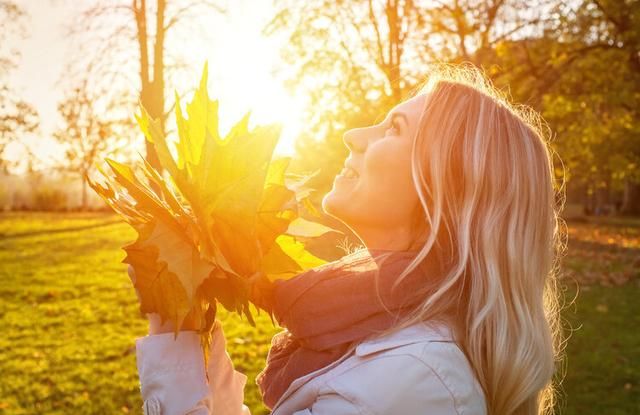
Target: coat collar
[419, 332]
[416, 333]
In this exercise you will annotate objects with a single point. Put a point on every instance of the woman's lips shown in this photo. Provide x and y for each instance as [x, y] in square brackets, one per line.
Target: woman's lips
[340, 178]
[348, 173]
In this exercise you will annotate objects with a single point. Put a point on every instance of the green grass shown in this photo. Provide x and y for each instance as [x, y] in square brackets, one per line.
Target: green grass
[602, 314]
[603, 351]
[69, 319]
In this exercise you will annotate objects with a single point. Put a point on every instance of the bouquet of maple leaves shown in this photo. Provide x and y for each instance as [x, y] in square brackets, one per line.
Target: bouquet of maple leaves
[220, 224]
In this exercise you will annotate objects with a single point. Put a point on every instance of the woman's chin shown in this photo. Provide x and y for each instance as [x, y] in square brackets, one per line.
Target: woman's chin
[340, 198]
[332, 203]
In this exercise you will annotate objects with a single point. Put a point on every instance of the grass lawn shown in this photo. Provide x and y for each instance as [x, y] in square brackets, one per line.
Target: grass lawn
[69, 317]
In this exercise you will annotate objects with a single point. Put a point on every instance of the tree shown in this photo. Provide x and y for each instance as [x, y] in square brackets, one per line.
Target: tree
[137, 43]
[16, 116]
[584, 76]
[620, 31]
[578, 63]
[355, 61]
[350, 63]
[91, 132]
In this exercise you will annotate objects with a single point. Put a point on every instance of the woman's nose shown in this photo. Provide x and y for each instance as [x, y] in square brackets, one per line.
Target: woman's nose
[356, 140]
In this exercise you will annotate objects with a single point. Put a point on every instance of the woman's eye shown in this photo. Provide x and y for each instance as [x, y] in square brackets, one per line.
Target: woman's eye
[393, 128]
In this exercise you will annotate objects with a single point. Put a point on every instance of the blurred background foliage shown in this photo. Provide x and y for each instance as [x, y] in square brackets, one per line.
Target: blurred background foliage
[576, 62]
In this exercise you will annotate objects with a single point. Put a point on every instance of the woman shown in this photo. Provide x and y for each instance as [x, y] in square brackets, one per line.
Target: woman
[453, 197]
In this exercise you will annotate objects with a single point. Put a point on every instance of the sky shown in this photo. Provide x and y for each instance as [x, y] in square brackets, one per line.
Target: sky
[244, 83]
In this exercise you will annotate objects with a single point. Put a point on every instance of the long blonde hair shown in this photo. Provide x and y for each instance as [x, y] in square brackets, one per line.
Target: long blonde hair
[490, 203]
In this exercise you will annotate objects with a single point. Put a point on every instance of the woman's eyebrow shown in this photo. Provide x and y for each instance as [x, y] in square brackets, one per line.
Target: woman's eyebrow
[399, 115]
[390, 116]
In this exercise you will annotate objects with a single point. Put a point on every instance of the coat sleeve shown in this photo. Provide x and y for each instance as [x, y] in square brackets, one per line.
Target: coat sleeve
[173, 380]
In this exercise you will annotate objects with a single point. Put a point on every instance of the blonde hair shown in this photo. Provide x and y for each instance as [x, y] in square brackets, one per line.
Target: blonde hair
[483, 171]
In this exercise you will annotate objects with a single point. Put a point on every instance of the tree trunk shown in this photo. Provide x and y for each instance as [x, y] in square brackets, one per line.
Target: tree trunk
[631, 199]
[84, 203]
[394, 50]
[152, 89]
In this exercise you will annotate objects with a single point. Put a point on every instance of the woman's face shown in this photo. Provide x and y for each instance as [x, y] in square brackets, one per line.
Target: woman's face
[379, 203]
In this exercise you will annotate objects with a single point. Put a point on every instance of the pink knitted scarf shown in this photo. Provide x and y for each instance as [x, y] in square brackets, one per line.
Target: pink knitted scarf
[326, 309]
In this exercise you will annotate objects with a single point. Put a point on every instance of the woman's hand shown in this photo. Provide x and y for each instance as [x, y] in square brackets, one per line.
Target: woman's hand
[190, 323]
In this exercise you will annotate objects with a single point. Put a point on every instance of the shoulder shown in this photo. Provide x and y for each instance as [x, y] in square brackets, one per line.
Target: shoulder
[419, 369]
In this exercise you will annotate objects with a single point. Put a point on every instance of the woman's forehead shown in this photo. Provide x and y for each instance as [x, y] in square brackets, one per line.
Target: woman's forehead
[411, 107]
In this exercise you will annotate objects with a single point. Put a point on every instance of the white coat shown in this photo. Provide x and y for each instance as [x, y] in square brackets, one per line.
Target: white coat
[416, 370]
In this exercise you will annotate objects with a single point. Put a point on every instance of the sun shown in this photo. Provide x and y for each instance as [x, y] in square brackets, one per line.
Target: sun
[268, 103]
[242, 77]
[279, 107]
